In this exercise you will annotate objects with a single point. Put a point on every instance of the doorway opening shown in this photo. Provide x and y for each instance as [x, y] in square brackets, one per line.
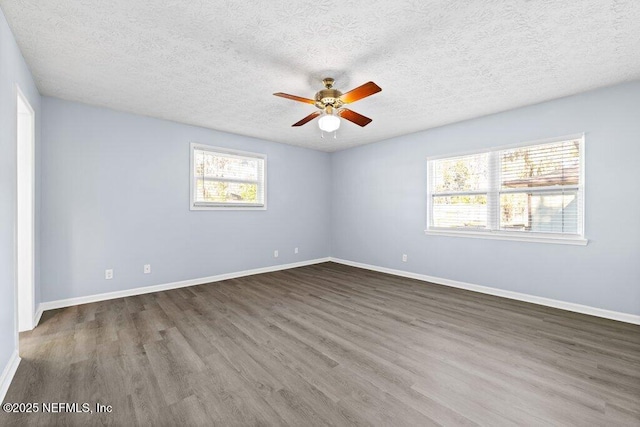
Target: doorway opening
[25, 220]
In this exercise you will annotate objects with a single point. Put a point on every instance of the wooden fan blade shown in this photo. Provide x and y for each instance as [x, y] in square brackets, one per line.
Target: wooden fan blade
[307, 119]
[295, 98]
[360, 92]
[354, 117]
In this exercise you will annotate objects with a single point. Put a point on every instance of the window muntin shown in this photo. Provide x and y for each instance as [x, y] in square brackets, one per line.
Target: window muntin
[223, 178]
[534, 190]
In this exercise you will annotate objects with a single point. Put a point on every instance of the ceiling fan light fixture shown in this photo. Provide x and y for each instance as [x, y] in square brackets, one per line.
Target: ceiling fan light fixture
[329, 123]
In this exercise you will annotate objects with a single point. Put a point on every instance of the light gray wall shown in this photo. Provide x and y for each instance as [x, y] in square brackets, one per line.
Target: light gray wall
[13, 70]
[379, 204]
[116, 195]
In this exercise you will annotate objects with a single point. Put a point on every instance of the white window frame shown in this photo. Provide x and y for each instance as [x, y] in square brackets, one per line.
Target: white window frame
[212, 206]
[492, 220]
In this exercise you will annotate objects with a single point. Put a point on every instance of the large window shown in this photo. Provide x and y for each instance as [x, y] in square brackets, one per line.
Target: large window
[227, 179]
[530, 192]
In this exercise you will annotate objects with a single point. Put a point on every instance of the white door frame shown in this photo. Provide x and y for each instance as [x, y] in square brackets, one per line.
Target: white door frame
[25, 213]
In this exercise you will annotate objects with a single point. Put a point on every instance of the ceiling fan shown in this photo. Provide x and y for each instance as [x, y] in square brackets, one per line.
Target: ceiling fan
[330, 101]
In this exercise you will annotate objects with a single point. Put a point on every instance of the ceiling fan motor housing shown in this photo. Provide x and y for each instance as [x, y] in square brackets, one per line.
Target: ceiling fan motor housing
[328, 97]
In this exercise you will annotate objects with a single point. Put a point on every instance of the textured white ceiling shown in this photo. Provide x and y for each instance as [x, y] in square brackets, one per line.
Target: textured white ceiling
[217, 63]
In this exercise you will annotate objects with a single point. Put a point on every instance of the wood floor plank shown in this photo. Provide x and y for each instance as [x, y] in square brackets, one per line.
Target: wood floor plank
[328, 345]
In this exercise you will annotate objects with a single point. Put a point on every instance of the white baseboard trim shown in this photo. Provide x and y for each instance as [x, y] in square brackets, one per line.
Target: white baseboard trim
[569, 306]
[52, 305]
[8, 373]
[577, 308]
[37, 316]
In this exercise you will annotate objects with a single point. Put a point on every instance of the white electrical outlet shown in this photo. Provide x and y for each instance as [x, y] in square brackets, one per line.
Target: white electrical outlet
[275, 253]
[295, 251]
[108, 274]
[147, 268]
[404, 257]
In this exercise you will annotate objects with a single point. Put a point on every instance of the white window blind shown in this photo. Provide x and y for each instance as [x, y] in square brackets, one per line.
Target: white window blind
[533, 190]
[222, 178]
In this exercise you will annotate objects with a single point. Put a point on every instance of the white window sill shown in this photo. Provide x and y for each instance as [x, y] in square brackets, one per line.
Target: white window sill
[227, 208]
[579, 241]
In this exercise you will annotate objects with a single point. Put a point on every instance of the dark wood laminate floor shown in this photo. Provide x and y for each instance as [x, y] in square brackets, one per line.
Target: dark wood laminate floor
[328, 345]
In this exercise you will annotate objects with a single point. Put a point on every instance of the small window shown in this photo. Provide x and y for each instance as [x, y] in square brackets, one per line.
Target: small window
[227, 179]
[531, 191]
